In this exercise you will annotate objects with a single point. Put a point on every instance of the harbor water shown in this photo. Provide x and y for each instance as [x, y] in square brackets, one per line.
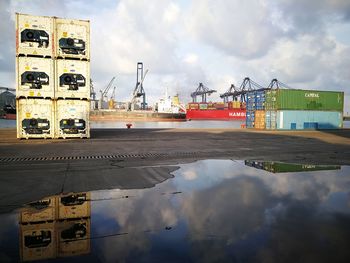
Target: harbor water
[153, 124]
[205, 211]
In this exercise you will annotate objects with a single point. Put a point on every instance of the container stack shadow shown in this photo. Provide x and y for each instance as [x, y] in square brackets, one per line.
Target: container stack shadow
[52, 77]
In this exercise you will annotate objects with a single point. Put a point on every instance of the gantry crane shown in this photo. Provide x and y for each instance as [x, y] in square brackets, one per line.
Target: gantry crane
[201, 91]
[246, 86]
[111, 102]
[232, 91]
[275, 83]
[104, 97]
[139, 90]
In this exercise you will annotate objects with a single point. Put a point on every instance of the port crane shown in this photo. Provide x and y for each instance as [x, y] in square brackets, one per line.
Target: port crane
[201, 91]
[232, 91]
[275, 83]
[93, 96]
[139, 90]
[104, 92]
[111, 102]
[246, 86]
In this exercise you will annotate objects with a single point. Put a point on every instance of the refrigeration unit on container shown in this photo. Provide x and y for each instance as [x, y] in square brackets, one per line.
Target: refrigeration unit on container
[300, 120]
[72, 118]
[72, 79]
[75, 205]
[35, 77]
[39, 211]
[72, 38]
[37, 241]
[293, 99]
[73, 237]
[35, 118]
[34, 35]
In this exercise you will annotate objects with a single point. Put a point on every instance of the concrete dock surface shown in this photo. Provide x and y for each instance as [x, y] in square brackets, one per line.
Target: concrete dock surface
[142, 158]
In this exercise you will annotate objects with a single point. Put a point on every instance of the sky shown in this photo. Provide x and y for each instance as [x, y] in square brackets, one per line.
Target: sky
[305, 44]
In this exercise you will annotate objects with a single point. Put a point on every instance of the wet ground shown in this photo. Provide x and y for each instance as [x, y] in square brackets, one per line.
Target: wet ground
[176, 195]
[202, 211]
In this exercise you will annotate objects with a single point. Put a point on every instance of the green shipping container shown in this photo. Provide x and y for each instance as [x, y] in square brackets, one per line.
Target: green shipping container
[294, 99]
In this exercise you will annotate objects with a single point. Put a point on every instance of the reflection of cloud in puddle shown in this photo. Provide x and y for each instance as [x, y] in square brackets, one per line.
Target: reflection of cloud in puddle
[230, 210]
[190, 175]
[146, 210]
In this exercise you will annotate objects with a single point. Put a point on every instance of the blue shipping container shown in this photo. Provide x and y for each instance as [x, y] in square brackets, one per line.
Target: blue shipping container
[255, 100]
[250, 119]
[300, 120]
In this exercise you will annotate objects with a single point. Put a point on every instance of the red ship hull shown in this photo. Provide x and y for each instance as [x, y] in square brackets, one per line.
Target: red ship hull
[9, 116]
[226, 114]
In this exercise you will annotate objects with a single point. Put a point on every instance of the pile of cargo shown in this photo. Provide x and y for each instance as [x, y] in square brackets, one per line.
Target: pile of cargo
[57, 226]
[52, 77]
[215, 105]
[233, 110]
[294, 109]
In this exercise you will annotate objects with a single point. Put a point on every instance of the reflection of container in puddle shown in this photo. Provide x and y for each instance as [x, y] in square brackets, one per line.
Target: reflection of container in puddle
[39, 211]
[37, 241]
[73, 237]
[74, 206]
[280, 167]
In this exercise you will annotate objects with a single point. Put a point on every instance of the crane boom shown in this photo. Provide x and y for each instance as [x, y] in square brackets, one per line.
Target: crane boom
[201, 91]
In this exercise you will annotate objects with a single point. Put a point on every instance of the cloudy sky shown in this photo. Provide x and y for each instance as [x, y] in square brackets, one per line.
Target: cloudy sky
[305, 44]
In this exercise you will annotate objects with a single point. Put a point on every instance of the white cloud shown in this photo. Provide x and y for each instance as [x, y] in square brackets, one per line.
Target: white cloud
[302, 43]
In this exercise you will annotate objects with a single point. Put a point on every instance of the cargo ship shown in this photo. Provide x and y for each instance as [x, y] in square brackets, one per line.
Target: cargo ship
[233, 110]
[9, 112]
[137, 115]
[166, 109]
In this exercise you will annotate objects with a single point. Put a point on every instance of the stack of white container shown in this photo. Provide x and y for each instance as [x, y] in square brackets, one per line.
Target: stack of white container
[53, 77]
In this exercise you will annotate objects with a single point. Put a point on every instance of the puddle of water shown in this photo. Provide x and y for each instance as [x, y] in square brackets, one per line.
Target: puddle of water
[212, 210]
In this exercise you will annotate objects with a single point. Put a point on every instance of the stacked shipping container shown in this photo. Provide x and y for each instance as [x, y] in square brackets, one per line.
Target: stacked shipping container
[72, 64]
[294, 109]
[255, 117]
[52, 66]
[304, 109]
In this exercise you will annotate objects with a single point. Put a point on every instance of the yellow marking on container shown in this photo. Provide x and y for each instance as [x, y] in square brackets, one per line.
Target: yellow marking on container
[28, 114]
[26, 25]
[35, 53]
[65, 70]
[31, 93]
[27, 68]
[39, 94]
[64, 34]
